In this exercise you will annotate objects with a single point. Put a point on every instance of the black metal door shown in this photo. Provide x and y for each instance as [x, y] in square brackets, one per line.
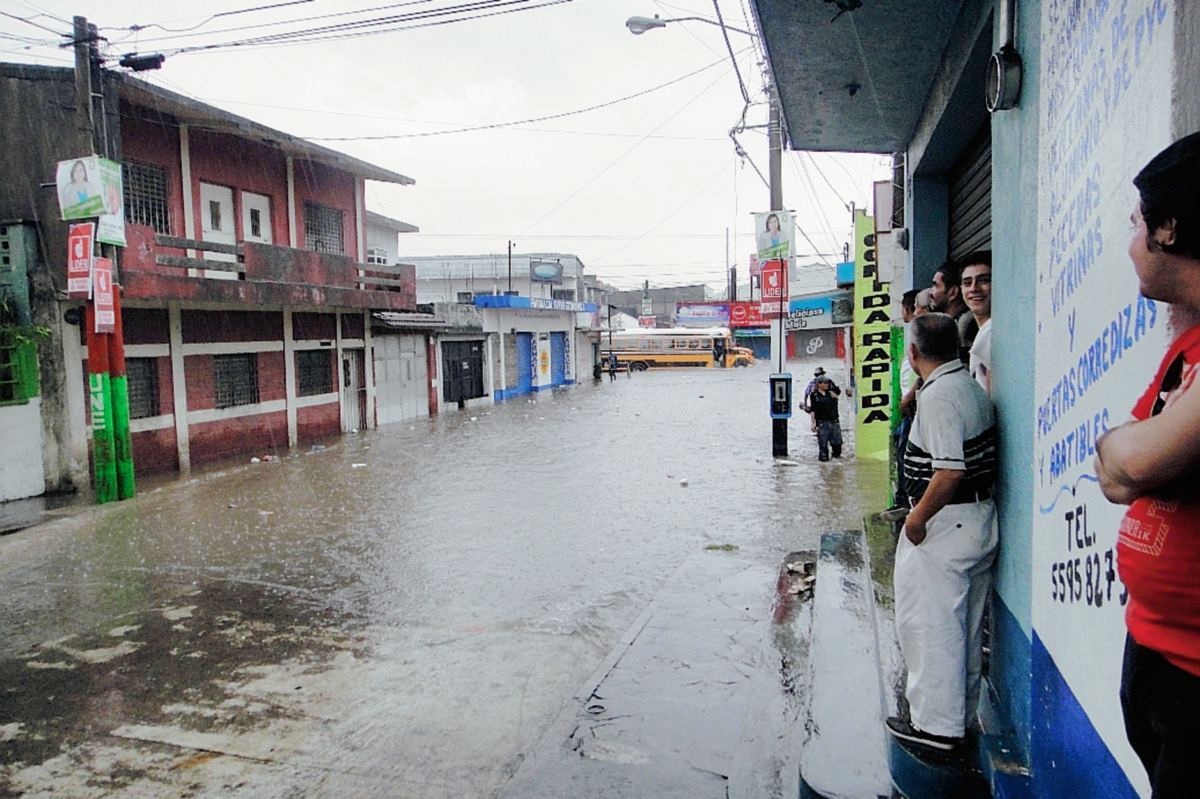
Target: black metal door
[463, 361]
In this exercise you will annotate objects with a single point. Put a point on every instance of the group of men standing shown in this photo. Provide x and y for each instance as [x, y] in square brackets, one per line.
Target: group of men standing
[944, 556]
[949, 542]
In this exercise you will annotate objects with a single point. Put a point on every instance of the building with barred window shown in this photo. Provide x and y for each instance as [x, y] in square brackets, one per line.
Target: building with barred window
[248, 281]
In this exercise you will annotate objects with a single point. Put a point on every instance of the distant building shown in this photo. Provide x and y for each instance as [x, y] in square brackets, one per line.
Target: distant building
[513, 330]
[658, 302]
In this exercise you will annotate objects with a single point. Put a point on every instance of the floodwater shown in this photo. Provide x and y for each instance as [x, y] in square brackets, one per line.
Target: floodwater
[402, 612]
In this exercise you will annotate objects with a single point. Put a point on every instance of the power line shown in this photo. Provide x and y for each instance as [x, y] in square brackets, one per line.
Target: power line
[351, 30]
[622, 156]
[495, 125]
[664, 220]
[136, 28]
[29, 21]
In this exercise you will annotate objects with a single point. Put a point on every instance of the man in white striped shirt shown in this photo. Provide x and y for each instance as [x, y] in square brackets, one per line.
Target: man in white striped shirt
[944, 559]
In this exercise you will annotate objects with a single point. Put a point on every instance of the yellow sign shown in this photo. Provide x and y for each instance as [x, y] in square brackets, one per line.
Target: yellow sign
[872, 347]
[545, 361]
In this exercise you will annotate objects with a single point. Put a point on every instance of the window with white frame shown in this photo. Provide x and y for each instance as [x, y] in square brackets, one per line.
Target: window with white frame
[146, 196]
[314, 372]
[377, 255]
[323, 228]
[235, 379]
[142, 378]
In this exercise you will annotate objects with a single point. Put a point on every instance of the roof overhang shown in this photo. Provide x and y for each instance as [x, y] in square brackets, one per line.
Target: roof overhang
[201, 115]
[387, 223]
[857, 82]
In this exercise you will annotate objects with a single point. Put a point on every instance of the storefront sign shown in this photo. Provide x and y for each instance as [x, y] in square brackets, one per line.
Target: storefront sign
[702, 314]
[744, 313]
[818, 313]
[872, 347]
[80, 251]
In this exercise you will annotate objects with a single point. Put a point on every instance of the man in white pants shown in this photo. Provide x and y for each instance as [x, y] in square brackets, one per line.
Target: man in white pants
[944, 558]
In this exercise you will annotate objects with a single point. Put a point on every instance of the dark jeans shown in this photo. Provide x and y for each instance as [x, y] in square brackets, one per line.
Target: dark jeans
[902, 431]
[1161, 703]
[829, 436]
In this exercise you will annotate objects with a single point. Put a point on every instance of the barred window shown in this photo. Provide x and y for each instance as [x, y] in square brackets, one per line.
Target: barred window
[323, 228]
[236, 379]
[466, 296]
[314, 371]
[563, 294]
[142, 377]
[146, 196]
[377, 255]
[10, 374]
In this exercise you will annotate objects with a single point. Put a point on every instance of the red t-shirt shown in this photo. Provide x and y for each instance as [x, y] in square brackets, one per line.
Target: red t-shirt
[1158, 549]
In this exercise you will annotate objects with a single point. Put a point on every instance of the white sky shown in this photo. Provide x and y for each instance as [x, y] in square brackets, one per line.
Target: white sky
[640, 190]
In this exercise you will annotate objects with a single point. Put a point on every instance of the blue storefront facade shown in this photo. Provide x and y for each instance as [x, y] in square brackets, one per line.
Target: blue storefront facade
[1044, 181]
[537, 344]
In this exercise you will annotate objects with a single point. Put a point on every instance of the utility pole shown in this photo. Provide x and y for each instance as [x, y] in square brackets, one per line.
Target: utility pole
[112, 446]
[510, 268]
[779, 427]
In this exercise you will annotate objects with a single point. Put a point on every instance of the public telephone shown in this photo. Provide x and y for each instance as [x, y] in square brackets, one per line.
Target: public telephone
[781, 396]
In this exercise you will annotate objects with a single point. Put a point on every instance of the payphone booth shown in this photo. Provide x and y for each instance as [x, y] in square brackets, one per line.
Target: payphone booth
[781, 396]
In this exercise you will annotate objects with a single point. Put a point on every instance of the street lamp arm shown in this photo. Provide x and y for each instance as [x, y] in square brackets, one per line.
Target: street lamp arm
[639, 25]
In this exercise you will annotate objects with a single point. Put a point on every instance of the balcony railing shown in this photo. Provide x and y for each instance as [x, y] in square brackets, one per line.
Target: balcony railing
[155, 266]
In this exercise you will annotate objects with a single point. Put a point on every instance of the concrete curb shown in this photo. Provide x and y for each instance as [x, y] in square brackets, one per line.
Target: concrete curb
[845, 754]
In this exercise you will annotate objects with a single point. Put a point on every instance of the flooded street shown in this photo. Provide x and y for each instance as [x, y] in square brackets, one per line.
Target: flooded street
[408, 611]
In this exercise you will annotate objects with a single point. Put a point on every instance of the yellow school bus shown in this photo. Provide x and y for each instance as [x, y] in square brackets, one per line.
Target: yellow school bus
[672, 347]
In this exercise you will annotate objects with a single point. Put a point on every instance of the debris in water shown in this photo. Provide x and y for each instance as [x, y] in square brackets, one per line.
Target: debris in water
[782, 462]
[255, 460]
[357, 465]
[721, 547]
[683, 483]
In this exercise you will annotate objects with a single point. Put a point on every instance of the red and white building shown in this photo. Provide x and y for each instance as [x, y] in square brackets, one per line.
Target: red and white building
[246, 285]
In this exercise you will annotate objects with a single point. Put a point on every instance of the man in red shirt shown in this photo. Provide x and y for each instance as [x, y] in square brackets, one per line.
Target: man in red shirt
[1152, 464]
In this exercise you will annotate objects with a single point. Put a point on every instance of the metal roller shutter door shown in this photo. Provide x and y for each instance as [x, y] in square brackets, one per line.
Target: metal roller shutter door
[971, 196]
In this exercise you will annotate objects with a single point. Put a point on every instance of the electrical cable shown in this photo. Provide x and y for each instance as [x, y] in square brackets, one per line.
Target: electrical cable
[664, 220]
[620, 158]
[188, 33]
[137, 28]
[29, 21]
[496, 125]
[363, 28]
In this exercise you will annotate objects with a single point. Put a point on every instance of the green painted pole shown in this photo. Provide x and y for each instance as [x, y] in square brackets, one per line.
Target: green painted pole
[104, 463]
[122, 442]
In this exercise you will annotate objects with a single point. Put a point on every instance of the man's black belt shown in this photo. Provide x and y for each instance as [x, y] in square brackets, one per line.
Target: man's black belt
[965, 496]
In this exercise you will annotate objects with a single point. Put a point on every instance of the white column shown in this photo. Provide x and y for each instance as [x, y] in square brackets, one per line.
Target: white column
[289, 377]
[185, 176]
[369, 368]
[341, 375]
[360, 219]
[491, 368]
[179, 389]
[291, 201]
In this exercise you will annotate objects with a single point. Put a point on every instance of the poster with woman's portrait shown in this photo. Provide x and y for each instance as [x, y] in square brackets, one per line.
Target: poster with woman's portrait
[80, 195]
[774, 233]
[91, 188]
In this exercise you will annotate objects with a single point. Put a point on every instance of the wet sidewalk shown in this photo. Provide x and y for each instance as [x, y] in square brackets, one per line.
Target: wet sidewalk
[703, 696]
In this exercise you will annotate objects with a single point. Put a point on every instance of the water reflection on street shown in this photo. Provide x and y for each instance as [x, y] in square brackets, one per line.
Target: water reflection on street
[406, 608]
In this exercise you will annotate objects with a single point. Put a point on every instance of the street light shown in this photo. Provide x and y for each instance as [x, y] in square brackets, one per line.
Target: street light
[639, 25]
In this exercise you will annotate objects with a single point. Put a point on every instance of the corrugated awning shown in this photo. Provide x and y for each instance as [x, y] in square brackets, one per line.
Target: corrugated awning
[401, 320]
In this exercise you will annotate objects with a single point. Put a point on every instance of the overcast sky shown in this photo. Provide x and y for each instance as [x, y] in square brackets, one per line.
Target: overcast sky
[642, 189]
